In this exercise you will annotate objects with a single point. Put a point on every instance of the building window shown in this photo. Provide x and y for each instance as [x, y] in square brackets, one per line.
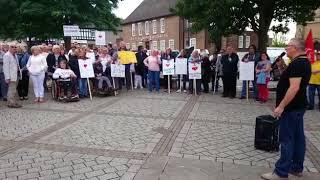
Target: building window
[240, 42]
[133, 46]
[154, 45]
[163, 45]
[133, 30]
[140, 44]
[248, 41]
[171, 44]
[128, 45]
[162, 25]
[140, 29]
[154, 26]
[193, 42]
[147, 27]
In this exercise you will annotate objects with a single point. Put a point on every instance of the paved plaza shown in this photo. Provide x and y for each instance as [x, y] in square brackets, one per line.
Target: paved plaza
[142, 136]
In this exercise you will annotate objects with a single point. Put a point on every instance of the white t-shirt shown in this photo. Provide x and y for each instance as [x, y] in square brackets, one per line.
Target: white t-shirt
[63, 73]
[37, 64]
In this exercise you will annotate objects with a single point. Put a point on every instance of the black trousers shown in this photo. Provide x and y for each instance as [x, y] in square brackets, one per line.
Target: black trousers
[166, 81]
[67, 86]
[128, 76]
[198, 85]
[205, 81]
[229, 86]
[23, 85]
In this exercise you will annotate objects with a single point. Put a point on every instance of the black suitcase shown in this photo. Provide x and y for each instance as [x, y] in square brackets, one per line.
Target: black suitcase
[266, 133]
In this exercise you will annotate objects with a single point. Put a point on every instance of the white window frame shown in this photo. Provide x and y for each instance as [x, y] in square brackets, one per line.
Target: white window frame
[133, 46]
[193, 42]
[248, 41]
[147, 27]
[154, 27]
[133, 29]
[155, 45]
[162, 25]
[240, 42]
[140, 29]
[162, 45]
[171, 44]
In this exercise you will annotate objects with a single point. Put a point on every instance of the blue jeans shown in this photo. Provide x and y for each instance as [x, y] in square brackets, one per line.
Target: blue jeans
[154, 80]
[3, 86]
[312, 91]
[244, 89]
[293, 144]
[83, 87]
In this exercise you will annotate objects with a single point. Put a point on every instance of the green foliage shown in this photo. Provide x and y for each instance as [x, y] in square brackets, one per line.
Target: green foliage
[278, 41]
[45, 18]
[225, 17]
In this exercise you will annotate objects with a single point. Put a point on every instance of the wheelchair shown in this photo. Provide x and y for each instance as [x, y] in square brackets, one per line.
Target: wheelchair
[104, 92]
[56, 91]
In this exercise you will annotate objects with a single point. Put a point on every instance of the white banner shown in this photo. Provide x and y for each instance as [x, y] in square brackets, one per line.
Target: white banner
[246, 71]
[71, 30]
[118, 70]
[194, 70]
[168, 67]
[181, 66]
[86, 68]
[100, 37]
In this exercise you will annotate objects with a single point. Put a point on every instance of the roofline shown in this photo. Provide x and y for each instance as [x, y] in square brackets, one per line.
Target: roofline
[147, 19]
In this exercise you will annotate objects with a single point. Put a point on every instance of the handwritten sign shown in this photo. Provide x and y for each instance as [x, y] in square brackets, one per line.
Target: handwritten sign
[194, 70]
[100, 37]
[86, 68]
[246, 71]
[181, 66]
[127, 57]
[168, 67]
[118, 70]
[71, 30]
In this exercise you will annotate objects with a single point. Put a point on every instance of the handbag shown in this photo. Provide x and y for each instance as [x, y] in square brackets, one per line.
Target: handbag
[261, 79]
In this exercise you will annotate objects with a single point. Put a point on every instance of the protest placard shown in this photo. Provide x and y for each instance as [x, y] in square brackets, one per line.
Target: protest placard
[118, 70]
[100, 38]
[194, 70]
[71, 30]
[86, 68]
[246, 71]
[127, 57]
[168, 67]
[181, 66]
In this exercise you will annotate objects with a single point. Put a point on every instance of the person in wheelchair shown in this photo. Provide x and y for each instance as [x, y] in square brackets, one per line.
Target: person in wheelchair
[66, 80]
[102, 78]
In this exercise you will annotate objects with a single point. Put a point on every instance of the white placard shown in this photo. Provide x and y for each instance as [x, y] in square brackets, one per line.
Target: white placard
[118, 70]
[194, 70]
[100, 37]
[181, 66]
[246, 71]
[168, 67]
[86, 68]
[71, 30]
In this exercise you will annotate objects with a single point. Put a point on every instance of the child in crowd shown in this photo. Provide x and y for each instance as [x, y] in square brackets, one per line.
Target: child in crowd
[65, 76]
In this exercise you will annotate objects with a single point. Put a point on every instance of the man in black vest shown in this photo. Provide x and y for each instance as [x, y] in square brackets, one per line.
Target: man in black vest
[291, 103]
[229, 63]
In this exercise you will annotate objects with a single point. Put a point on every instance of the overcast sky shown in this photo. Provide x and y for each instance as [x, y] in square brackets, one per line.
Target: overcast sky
[126, 7]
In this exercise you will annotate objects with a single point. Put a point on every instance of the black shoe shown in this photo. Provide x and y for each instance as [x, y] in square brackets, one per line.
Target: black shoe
[232, 97]
[5, 99]
[224, 96]
[242, 97]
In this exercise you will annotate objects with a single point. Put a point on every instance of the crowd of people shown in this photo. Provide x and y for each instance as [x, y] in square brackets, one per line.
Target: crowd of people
[47, 61]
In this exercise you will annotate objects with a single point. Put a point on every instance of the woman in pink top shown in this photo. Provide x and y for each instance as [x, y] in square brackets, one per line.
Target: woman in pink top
[153, 63]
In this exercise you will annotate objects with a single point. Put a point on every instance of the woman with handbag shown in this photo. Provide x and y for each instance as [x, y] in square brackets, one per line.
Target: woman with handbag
[263, 69]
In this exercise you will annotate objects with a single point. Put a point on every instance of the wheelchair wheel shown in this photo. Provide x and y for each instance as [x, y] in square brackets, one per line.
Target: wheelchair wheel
[54, 90]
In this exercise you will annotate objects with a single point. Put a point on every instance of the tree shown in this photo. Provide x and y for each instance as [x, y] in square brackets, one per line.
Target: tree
[44, 19]
[225, 17]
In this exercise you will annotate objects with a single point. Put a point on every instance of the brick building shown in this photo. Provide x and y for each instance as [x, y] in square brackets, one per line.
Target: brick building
[302, 31]
[152, 25]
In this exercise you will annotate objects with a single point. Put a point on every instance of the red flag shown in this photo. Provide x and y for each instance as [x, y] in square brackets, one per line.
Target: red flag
[310, 47]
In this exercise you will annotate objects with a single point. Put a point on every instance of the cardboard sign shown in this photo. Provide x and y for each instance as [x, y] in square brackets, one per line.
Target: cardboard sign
[127, 57]
[100, 37]
[168, 67]
[194, 70]
[181, 66]
[86, 68]
[246, 71]
[118, 70]
[71, 30]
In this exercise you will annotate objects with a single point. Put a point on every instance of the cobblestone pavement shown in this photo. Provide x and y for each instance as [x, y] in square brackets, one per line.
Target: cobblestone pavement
[117, 138]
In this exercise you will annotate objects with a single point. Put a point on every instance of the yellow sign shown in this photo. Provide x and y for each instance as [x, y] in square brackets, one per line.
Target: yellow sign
[127, 57]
